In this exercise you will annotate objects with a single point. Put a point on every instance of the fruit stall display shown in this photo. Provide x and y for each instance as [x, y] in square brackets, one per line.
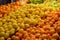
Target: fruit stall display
[30, 21]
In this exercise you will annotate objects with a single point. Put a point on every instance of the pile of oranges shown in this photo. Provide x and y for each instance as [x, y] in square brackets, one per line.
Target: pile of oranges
[5, 9]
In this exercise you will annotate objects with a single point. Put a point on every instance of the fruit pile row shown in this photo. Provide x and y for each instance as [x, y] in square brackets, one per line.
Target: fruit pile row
[5, 9]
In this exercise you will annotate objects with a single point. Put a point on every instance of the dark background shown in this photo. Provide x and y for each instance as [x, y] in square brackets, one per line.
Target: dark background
[2, 2]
